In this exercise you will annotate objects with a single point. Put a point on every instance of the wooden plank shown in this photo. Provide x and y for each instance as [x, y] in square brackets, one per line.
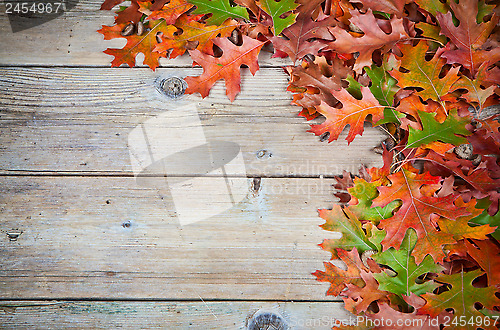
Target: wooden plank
[108, 237]
[78, 120]
[72, 40]
[167, 315]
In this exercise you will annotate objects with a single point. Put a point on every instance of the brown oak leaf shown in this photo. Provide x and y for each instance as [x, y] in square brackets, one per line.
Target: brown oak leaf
[374, 37]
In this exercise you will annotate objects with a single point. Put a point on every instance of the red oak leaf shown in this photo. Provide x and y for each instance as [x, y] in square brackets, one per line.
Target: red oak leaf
[374, 37]
[353, 113]
[304, 37]
[316, 80]
[226, 67]
[416, 191]
[469, 36]
[386, 6]
[337, 277]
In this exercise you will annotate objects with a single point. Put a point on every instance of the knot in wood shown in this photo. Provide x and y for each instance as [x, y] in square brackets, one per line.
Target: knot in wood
[267, 320]
[14, 235]
[173, 87]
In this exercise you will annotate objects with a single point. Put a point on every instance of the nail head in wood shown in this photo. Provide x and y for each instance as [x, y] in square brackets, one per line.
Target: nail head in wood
[263, 320]
[263, 154]
[173, 87]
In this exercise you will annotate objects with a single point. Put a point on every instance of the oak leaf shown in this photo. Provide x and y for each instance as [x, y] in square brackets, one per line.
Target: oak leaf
[170, 12]
[337, 277]
[358, 299]
[144, 44]
[304, 37]
[476, 94]
[407, 271]
[385, 6]
[447, 131]
[221, 10]
[412, 105]
[362, 194]
[424, 74]
[353, 113]
[317, 79]
[226, 67]
[469, 36]
[416, 192]
[487, 255]
[186, 32]
[374, 37]
[276, 9]
[432, 6]
[391, 319]
[461, 297]
[345, 222]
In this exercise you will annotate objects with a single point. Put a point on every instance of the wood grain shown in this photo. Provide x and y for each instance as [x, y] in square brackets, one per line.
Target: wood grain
[73, 40]
[165, 315]
[77, 120]
[108, 237]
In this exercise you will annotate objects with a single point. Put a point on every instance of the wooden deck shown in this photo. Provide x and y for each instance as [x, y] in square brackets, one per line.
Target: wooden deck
[84, 246]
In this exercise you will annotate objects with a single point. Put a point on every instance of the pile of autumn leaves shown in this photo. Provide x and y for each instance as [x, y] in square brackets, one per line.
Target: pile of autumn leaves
[419, 235]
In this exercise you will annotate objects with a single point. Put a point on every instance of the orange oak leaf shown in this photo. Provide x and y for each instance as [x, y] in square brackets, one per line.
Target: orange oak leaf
[188, 34]
[469, 37]
[144, 44]
[476, 94]
[412, 104]
[460, 227]
[416, 192]
[374, 37]
[170, 12]
[357, 299]
[304, 37]
[487, 255]
[353, 113]
[424, 74]
[337, 277]
[226, 67]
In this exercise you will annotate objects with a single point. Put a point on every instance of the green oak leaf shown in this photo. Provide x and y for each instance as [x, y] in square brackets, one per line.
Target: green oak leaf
[276, 9]
[374, 235]
[354, 88]
[345, 222]
[434, 131]
[407, 271]
[384, 88]
[363, 194]
[220, 10]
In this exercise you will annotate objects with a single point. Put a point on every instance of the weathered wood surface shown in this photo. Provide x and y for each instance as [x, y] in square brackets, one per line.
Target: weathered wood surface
[72, 40]
[107, 237]
[78, 120]
[74, 223]
[165, 315]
